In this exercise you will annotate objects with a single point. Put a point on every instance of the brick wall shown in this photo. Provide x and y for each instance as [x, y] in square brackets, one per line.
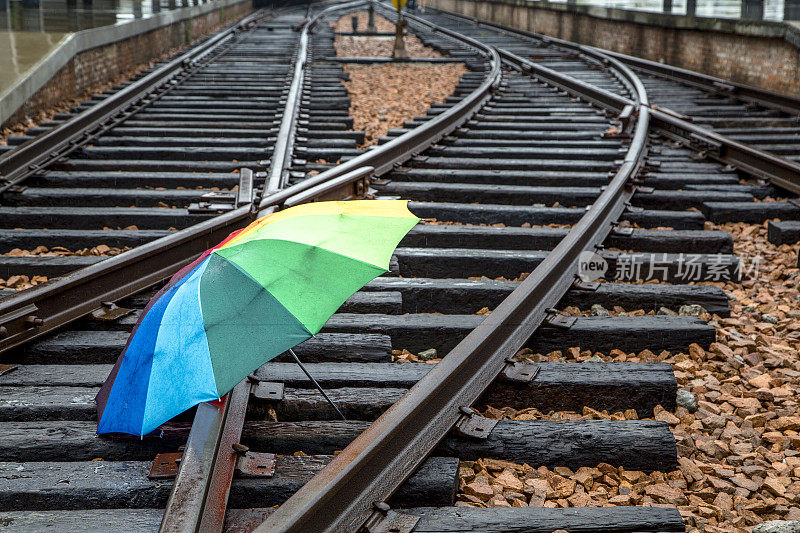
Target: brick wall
[753, 53]
[91, 70]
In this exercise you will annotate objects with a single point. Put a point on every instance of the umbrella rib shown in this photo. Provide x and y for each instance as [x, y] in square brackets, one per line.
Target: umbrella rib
[305, 371]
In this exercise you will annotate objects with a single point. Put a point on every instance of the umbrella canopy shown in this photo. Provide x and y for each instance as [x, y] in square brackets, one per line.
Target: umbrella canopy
[263, 290]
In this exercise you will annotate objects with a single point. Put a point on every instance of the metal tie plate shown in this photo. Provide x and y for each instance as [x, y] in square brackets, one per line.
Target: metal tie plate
[165, 465]
[268, 390]
[386, 520]
[560, 321]
[520, 372]
[471, 424]
[255, 464]
[110, 311]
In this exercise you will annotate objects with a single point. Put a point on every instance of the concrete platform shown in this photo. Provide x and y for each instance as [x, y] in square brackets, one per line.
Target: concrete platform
[39, 40]
[24, 50]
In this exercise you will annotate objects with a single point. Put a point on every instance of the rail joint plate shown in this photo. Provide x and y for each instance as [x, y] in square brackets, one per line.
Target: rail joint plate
[19, 321]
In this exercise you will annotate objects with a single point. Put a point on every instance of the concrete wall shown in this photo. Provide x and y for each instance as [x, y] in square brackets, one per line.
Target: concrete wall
[759, 53]
[89, 59]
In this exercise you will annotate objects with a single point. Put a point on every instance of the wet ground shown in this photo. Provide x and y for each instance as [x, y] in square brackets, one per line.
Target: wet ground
[59, 16]
[32, 29]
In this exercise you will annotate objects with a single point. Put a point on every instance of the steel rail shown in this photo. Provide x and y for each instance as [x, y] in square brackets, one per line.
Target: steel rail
[748, 93]
[385, 156]
[200, 493]
[342, 495]
[284, 141]
[594, 95]
[32, 313]
[784, 173]
[33, 155]
[597, 56]
[278, 173]
[29, 314]
[199, 496]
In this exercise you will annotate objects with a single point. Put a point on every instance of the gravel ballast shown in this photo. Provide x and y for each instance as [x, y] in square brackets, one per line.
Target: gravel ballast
[737, 426]
[384, 96]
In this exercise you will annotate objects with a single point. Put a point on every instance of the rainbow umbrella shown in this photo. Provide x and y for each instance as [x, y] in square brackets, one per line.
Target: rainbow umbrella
[263, 290]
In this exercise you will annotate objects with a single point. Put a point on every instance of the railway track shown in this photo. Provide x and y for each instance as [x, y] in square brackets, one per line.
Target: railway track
[516, 175]
[173, 158]
[742, 117]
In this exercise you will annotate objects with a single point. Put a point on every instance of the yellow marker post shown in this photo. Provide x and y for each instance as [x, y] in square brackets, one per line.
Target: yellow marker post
[399, 51]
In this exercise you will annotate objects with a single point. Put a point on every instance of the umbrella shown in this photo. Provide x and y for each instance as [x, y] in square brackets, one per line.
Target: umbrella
[263, 290]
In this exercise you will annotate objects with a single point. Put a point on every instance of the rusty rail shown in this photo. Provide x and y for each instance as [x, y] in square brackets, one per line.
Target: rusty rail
[748, 93]
[199, 497]
[782, 172]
